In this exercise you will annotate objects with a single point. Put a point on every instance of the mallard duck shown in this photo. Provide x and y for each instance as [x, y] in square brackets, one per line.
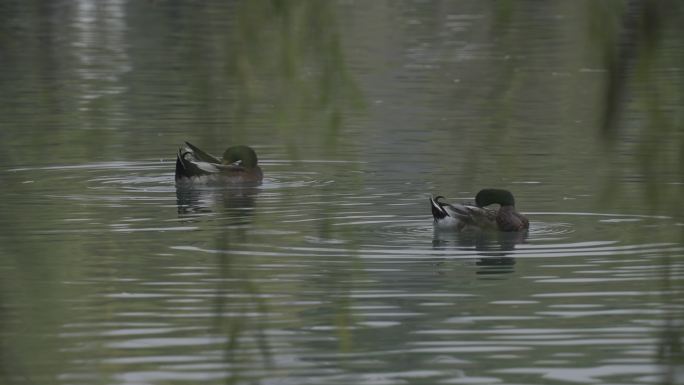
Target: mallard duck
[238, 166]
[468, 216]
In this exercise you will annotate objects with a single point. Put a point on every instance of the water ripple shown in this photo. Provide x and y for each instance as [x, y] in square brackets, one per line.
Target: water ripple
[300, 273]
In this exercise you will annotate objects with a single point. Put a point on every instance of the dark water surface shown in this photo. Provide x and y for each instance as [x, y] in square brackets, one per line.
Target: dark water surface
[330, 272]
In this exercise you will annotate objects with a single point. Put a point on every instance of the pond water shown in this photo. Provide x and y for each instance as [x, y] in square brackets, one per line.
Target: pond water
[330, 271]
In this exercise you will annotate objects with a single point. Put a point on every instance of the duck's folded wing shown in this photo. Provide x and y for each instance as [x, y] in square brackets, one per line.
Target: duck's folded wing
[188, 169]
[197, 153]
[192, 162]
[458, 210]
[471, 215]
[482, 217]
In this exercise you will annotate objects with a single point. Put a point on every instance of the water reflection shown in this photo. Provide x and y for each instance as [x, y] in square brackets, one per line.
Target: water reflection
[492, 248]
[236, 291]
[237, 294]
[100, 48]
[237, 202]
[324, 275]
[635, 52]
[237, 297]
[493, 243]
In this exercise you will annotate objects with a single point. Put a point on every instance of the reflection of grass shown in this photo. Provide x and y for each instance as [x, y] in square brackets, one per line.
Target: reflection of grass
[652, 145]
[244, 275]
[239, 327]
[289, 54]
[642, 110]
[215, 71]
[670, 351]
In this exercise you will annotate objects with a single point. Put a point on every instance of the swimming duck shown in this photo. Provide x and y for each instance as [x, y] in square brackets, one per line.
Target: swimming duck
[238, 166]
[468, 216]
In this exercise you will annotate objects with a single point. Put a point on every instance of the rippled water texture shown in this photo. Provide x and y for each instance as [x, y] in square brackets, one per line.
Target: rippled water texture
[330, 272]
[304, 280]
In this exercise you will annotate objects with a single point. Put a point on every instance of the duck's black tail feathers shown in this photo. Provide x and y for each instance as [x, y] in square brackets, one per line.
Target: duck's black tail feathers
[438, 211]
[181, 171]
[187, 161]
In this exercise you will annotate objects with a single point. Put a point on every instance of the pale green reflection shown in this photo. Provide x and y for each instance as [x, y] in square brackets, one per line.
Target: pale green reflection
[632, 39]
[360, 110]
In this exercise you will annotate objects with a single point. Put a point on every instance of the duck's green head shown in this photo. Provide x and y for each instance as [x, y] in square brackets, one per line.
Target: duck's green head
[243, 154]
[490, 196]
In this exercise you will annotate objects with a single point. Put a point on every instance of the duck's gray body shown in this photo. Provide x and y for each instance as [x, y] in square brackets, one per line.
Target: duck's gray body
[463, 216]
